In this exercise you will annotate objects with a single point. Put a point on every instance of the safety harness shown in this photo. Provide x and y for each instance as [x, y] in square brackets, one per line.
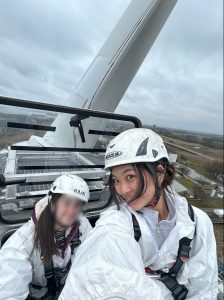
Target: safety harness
[179, 292]
[56, 277]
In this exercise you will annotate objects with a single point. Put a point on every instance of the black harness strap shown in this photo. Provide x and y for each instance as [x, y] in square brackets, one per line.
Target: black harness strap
[179, 292]
[56, 276]
[182, 255]
[191, 212]
[137, 231]
[75, 241]
[51, 283]
[74, 244]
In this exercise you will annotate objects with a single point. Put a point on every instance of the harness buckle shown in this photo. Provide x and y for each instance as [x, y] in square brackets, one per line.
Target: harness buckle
[180, 292]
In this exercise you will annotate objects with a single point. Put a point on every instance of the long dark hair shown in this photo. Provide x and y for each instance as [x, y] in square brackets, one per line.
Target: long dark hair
[153, 169]
[44, 230]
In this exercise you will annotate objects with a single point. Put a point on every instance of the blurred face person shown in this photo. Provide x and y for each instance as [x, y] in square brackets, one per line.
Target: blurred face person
[66, 210]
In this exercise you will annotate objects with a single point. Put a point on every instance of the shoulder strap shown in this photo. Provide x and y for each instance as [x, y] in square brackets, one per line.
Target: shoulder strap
[74, 242]
[182, 255]
[51, 283]
[136, 227]
[178, 291]
[73, 238]
[184, 248]
[191, 212]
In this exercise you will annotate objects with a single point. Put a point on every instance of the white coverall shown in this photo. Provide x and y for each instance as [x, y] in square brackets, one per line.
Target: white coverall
[19, 266]
[110, 261]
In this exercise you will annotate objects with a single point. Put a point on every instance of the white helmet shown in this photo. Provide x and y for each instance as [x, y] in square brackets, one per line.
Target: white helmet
[133, 146]
[71, 185]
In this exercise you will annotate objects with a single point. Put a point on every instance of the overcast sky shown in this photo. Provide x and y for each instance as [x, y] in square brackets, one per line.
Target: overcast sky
[46, 46]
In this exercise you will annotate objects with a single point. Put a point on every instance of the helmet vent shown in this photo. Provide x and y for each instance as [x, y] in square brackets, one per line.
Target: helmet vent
[142, 150]
[154, 153]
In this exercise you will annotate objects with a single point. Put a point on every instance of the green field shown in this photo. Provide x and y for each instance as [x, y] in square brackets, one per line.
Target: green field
[210, 203]
[201, 164]
[198, 167]
[185, 182]
[215, 153]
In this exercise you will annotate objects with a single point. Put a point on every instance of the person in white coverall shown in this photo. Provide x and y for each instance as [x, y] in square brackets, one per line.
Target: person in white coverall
[152, 244]
[35, 260]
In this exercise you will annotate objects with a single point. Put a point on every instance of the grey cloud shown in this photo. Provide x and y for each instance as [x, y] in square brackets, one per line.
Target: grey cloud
[180, 83]
[47, 45]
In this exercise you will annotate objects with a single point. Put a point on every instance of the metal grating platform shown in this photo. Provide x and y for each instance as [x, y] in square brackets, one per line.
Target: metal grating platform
[3, 158]
[30, 164]
[37, 170]
[97, 159]
[220, 271]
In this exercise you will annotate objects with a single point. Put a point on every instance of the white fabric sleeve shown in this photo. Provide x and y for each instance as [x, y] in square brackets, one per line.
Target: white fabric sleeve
[15, 269]
[202, 267]
[109, 263]
[85, 228]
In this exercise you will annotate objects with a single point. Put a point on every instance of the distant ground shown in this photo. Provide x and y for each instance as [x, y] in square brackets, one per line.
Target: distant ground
[219, 234]
[208, 203]
[198, 163]
[20, 136]
[215, 153]
[186, 182]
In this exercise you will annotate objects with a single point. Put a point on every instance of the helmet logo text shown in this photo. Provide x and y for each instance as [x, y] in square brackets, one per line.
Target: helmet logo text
[79, 192]
[113, 154]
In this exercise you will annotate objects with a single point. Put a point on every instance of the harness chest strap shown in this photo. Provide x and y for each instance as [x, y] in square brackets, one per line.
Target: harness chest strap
[53, 275]
[179, 292]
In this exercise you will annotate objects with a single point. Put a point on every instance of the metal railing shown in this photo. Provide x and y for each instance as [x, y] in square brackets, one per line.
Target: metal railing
[88, 171]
